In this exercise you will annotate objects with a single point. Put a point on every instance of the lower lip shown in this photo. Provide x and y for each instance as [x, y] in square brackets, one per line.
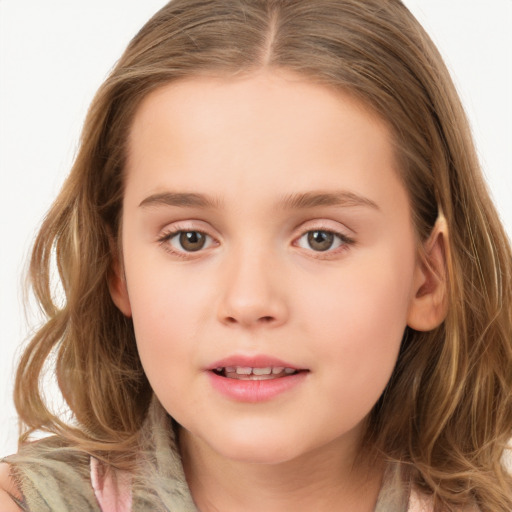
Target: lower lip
[255, 390]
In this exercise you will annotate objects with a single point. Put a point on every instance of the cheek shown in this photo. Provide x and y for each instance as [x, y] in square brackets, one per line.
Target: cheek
[166, 343]
[358, 322]
[372, 297]
[167, 314]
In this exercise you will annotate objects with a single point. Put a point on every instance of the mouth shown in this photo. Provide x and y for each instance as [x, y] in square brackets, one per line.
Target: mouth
[255, 378]
[255, 373]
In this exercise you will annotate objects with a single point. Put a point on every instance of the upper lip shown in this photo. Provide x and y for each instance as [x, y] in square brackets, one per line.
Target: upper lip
[255, 361]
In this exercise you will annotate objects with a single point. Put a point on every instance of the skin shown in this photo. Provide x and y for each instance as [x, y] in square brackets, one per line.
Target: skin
[7, 486]
[259, 287]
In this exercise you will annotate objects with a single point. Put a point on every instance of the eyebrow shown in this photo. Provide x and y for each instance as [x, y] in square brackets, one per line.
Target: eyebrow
[181, 199]
[315, 199]
[296, 201]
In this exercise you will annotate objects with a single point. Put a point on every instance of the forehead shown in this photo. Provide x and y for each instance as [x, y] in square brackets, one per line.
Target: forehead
[270, 97]
[262, 134]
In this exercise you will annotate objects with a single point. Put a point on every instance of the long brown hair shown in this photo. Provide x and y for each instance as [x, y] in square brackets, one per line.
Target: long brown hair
[447, 411]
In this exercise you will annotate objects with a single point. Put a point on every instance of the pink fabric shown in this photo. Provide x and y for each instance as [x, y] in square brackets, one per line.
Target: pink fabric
[112, 492]
[419, 503]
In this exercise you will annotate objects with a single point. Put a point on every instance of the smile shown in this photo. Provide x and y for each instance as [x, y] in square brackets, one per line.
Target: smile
[250, 373]
[254, 379]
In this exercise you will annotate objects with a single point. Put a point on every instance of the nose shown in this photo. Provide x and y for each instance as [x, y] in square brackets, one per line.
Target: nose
[253, 292]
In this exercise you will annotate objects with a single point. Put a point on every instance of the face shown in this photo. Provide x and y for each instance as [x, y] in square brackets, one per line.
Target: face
[269, 260]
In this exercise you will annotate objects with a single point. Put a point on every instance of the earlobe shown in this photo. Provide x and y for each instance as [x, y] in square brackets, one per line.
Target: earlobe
[429, 304]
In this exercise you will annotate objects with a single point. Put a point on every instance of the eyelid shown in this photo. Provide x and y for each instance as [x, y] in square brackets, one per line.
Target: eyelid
[325, 225]
[191, 225]
[169, 232]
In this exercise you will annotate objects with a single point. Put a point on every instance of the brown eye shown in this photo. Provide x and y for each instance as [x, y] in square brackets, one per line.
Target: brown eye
[191, 241]
[323, 240]
[320, 240]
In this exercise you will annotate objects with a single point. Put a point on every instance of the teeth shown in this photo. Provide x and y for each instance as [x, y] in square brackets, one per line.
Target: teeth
[247, 370]
[262, 371]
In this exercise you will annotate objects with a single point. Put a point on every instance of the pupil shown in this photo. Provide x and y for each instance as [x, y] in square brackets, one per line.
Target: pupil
[192, 240]
[320, 240]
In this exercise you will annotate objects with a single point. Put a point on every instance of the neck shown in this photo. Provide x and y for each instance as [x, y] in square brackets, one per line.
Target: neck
[327, 479]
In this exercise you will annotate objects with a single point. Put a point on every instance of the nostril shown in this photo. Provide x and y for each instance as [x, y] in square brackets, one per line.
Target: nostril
[262, 320]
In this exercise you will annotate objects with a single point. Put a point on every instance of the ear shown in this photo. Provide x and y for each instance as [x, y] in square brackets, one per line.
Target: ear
[117, 283]
[429, 305]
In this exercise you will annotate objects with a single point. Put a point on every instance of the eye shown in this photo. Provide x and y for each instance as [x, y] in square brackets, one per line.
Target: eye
[187, 241]
[321, 240]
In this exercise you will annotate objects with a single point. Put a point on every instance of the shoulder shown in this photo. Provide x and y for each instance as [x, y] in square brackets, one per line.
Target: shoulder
[51, 475]
[8, 487]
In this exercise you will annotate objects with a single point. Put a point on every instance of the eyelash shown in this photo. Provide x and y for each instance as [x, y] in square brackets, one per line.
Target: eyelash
[167, 236]
[344, 242]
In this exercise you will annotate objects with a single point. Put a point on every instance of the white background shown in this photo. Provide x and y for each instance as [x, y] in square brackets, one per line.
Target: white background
[55, 54]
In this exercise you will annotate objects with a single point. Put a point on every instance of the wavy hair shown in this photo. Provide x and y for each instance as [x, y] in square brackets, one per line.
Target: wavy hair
[446, 412]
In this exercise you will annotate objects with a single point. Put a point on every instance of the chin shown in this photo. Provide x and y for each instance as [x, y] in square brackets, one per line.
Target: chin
[262, 447]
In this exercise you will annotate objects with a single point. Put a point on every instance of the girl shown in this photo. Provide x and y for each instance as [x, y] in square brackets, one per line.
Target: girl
[286, 285]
